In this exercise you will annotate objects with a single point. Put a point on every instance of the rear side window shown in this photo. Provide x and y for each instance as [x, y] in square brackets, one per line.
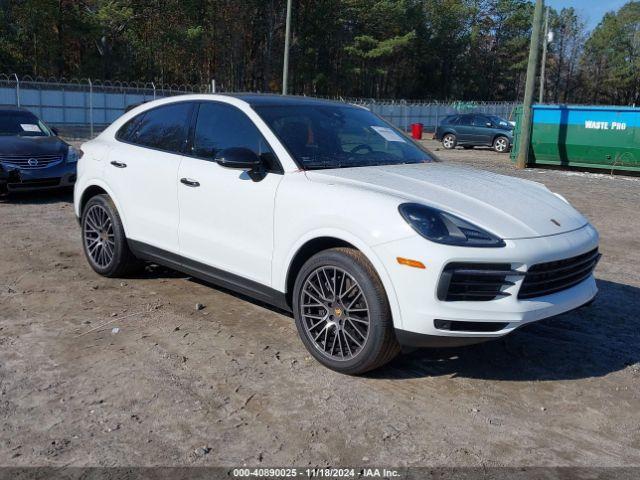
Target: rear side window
[450, 120]
[465, 120]
[163, 128]
[220, 126]
[128, 130]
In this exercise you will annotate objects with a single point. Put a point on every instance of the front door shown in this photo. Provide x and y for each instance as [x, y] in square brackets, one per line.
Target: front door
[226, 218]
[483, 130]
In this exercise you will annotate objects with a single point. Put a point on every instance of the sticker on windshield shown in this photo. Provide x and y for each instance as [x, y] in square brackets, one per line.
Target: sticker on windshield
[30, 127]
[388, 134]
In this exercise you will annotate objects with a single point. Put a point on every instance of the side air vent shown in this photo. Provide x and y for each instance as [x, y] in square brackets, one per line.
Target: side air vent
[475, 282]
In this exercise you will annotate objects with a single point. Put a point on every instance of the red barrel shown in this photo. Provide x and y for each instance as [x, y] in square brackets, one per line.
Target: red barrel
[416, 130]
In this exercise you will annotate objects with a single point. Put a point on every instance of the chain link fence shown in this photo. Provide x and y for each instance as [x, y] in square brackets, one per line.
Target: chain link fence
[403, 113]
[83, 107]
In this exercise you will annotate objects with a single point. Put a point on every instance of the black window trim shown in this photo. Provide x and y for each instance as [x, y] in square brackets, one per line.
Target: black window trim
[278, 169]
[141, 115]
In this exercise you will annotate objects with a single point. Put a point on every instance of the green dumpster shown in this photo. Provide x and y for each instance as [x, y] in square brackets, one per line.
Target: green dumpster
[583, 136]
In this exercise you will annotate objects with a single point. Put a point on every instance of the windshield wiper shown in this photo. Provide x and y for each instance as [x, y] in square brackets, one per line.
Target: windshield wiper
[322, 161]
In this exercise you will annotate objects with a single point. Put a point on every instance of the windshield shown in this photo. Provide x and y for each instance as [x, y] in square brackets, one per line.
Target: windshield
[337, 136]
[23, 124]
[500, 122]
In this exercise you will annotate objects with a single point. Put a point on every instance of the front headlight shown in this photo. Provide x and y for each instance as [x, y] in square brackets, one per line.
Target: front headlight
[73, 155]
[442, 227]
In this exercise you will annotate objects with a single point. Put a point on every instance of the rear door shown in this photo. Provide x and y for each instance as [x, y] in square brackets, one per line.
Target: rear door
[464, 129]
[142, 172]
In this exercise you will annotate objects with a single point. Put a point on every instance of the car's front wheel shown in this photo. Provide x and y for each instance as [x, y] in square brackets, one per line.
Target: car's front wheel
[449, 141]
[103, 239]
[501, 144]
[342, 313]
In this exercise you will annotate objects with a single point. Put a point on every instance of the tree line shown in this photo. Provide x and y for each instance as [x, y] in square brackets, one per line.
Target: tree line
[414, 49]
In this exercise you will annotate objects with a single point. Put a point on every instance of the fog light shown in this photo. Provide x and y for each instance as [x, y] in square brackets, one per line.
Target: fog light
[442, 324]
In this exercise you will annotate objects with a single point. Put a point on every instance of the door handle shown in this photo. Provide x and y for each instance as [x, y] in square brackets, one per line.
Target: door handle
[119, 164]
[190, 183]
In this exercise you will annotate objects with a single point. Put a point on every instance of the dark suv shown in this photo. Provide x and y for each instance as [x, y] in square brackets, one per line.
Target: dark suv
[31, 154]
[474, 130]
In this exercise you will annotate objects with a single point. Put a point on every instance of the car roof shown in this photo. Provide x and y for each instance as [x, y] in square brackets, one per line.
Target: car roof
[270, 99]
[13, 109]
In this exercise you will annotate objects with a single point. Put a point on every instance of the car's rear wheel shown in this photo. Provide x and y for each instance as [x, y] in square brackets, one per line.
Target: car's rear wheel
[103, 239]
[449, 141]
[501, 144]
[342, 313]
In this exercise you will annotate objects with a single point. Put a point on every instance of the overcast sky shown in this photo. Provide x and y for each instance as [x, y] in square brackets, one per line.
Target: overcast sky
[591, 10]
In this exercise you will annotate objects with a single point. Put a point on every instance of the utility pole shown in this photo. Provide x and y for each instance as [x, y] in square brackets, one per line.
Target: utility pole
[529, 89]
[287, 35]
[545, 42]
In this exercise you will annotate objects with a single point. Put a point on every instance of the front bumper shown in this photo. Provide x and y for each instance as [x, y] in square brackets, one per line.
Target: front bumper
[416, 289]
[56, 176]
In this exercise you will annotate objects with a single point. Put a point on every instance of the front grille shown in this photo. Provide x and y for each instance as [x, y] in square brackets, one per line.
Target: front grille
[552, 277]
[476, 282]
[29, 162]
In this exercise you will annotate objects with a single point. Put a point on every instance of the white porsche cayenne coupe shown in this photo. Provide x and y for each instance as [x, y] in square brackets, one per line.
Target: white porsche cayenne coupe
[326, 210]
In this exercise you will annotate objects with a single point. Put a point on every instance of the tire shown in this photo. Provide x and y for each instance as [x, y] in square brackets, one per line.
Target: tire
[501, 144]
[103, 239]
[352, 331]
[449, 141]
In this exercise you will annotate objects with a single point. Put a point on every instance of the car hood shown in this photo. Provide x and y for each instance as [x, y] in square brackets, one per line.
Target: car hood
[509, 207]
[17, 145]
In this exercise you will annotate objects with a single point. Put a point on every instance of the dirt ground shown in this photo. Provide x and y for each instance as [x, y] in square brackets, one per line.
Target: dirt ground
[127, 372]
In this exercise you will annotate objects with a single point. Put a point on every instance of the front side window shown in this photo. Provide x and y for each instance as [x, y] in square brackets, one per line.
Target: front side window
[501, 122]
[220, 126]
[164, 128]
[22, 124]
[465, 120]
[481, 121]
[335, 136]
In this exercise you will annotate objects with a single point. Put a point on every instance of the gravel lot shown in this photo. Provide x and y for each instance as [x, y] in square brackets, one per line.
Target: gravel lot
[231, 384]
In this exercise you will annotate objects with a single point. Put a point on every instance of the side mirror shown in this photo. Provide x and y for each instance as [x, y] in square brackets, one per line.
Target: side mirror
[238, 157]
[489, 124]
[242, 159]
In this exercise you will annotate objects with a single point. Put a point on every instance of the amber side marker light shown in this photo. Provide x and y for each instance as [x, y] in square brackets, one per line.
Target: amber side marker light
[410, 263]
